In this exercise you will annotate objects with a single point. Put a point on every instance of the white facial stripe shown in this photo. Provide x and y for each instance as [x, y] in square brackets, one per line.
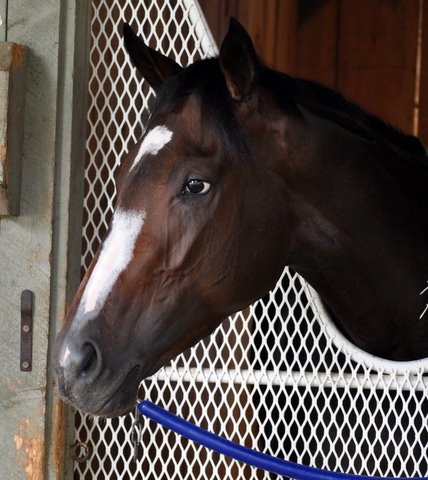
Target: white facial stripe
[66, 355]
[153, 142]
[115, 256]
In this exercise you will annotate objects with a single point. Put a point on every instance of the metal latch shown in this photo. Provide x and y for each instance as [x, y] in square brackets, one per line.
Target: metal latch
[26, 359]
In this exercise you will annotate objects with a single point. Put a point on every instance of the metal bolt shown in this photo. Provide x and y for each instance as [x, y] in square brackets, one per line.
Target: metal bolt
[25, 365]
[26, 328]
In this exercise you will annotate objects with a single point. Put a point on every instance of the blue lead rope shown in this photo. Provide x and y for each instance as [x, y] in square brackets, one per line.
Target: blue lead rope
[238, 452]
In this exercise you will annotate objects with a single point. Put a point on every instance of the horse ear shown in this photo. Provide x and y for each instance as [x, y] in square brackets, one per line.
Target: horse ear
[153, 66]
[239, 61]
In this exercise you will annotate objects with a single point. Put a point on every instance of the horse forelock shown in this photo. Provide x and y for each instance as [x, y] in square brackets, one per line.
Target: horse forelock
[205, 80]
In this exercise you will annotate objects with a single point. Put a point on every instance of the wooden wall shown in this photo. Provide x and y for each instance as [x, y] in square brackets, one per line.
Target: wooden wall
[373, 51]
[269, 22]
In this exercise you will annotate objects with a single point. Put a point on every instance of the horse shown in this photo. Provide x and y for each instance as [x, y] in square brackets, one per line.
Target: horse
[243, 170]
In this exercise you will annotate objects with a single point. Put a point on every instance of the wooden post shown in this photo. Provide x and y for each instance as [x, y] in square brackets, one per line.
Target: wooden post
[12, 95]
[38, 247]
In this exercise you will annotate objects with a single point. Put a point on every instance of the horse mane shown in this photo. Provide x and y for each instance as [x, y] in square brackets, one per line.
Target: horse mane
[406, 157]
[331, 105]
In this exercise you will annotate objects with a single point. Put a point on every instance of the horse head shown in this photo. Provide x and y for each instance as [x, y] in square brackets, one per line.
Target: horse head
[186, 246]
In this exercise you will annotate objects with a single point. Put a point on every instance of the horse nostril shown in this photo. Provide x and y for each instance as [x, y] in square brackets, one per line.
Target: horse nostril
[78, 361]
[89, 361]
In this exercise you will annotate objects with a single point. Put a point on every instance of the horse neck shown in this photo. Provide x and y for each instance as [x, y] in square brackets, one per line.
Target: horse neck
[354, 240]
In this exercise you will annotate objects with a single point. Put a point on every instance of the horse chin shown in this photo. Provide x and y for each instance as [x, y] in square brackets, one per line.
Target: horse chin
[97, 400]
[123, 399]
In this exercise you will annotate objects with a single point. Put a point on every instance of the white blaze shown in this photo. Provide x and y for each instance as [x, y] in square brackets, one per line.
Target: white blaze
[116, 253]
[118, 247]
[153, 142]
[66, 355]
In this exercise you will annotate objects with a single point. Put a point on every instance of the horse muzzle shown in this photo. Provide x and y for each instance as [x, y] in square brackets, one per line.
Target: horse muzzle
[86, 382]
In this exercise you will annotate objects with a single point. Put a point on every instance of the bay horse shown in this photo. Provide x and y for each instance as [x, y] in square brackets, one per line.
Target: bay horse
[243, 170]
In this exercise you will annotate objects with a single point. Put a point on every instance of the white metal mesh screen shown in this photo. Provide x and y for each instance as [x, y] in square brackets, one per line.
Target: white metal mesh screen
[270, 378]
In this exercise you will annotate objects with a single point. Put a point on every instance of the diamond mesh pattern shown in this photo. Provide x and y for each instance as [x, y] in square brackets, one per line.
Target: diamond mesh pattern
[272, 377]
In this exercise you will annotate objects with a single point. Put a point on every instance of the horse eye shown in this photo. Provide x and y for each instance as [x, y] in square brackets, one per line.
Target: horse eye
[196, 187]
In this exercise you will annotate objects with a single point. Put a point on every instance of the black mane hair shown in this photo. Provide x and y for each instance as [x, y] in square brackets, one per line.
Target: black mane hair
[407, 161]
[205, 79]
[331, 105]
